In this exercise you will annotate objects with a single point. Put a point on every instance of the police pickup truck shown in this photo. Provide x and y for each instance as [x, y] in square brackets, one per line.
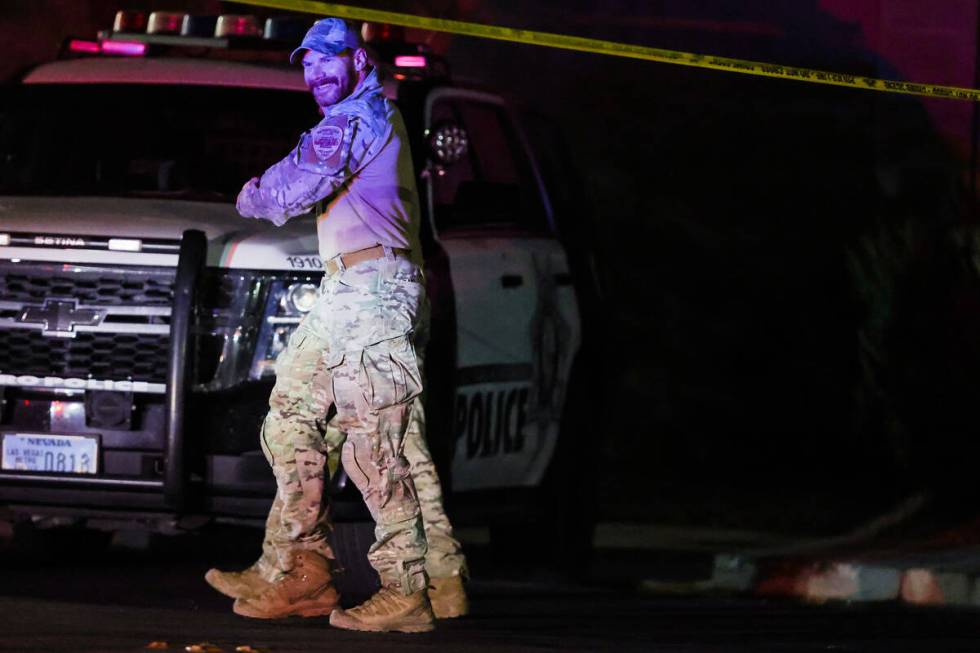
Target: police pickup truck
[140, 315]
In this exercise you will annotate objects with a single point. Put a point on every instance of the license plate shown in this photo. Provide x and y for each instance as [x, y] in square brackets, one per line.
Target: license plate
[68, 454]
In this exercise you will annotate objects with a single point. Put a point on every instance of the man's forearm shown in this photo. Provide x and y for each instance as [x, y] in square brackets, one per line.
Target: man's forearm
[282, 193]
[256, 202]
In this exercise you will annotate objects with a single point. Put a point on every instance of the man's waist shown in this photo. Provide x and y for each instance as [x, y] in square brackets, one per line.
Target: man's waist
[349, 259]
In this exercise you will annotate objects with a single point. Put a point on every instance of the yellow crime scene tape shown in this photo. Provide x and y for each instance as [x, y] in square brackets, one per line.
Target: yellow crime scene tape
[597, 46]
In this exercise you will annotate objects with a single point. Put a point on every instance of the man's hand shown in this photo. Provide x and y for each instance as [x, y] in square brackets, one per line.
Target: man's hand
[244, 202]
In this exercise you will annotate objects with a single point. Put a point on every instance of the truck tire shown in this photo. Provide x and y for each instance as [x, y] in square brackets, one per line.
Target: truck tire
[354, 576]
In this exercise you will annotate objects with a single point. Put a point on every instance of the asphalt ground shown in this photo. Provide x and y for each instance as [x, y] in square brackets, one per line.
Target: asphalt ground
[72, 595]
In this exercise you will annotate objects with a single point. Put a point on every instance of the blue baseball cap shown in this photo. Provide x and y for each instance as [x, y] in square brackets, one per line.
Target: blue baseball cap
[329, 36]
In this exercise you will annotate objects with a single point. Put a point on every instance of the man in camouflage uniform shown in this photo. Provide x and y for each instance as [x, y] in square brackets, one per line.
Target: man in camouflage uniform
[357, 351]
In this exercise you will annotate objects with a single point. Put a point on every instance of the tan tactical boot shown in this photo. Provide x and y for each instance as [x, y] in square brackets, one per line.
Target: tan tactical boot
[306, 591]
[236, 584]
[388, 610]
[448, 597]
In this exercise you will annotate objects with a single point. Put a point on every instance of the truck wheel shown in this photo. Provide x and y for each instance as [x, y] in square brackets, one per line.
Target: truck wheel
[354, 576]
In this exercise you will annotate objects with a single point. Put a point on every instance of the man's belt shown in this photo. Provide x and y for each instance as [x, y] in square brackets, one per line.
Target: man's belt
[353, 258]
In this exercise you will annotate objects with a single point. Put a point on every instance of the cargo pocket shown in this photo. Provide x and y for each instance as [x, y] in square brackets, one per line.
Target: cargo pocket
[389, 373]
[326, 382]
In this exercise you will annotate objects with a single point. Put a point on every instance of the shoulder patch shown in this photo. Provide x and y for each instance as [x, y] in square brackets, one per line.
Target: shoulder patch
[326, 147]
[327, 141]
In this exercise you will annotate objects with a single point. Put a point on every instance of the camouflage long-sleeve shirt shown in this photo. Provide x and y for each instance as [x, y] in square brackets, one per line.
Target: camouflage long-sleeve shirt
[357, 159]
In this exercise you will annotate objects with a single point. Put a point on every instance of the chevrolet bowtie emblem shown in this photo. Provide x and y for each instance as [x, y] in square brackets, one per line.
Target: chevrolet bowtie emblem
[59, 317]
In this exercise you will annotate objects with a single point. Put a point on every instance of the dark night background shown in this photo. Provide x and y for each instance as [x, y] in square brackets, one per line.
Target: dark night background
[790, 272]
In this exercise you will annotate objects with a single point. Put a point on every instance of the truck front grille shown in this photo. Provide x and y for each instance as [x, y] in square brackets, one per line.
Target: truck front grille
[128, 341]
[93, 286]
[117, 356]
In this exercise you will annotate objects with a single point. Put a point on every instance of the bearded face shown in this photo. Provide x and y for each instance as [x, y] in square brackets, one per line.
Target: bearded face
[330, 78]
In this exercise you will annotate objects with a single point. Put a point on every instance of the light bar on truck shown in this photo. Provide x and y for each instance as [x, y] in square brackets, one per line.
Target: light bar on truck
[4, 240]
[146, 33]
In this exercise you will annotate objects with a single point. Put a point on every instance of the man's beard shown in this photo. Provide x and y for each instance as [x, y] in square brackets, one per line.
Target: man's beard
[327, 90]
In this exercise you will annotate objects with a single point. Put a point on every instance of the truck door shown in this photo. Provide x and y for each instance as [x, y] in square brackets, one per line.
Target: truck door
[517, 322]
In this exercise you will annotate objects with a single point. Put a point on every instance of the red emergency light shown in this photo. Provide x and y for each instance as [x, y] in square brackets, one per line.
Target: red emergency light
[121, 48]
[129, 21]
[124, 48]
[410, 61]
[88, 47]
[237, 25]
[383, 33]
[164, 22]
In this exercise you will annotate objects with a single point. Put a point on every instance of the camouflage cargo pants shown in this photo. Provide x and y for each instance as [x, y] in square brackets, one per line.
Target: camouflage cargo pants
[355, 350]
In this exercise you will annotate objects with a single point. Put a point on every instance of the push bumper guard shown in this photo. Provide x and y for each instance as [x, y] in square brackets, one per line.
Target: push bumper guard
[193, 250]
[110, 490]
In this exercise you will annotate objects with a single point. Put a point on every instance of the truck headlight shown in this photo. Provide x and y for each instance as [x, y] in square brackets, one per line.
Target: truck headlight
[300, 297]
[284, 309]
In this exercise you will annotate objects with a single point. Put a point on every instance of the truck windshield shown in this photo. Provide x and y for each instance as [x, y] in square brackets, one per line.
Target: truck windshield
[184, 142]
